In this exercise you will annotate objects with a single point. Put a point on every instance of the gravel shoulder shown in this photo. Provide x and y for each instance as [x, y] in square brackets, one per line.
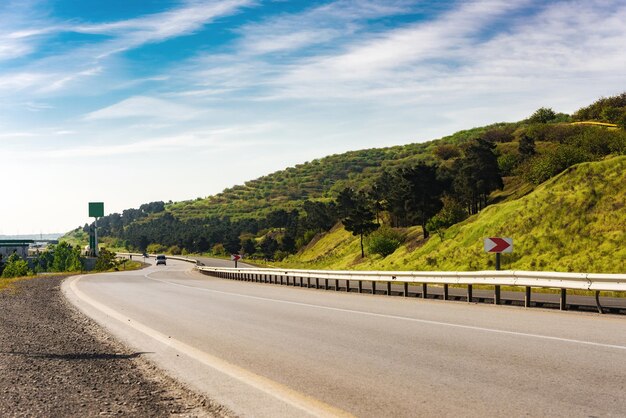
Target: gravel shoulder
[56, 362]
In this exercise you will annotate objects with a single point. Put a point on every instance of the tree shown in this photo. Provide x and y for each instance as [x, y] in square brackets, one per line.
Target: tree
[278, 219]
[526, 146]
[357, 216]
[476, 175]
[543, 115]
[66, 258]
[15, 267]
[248, 246]
[319, 215]
[106, 260]
[268, 247]
[423, 194]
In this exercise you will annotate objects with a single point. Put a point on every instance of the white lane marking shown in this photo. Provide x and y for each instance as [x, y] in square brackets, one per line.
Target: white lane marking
[277, 390]
[403, 318]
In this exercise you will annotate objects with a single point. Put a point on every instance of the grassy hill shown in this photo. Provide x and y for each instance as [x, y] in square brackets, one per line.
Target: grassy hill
[318, 179]
[574, 222]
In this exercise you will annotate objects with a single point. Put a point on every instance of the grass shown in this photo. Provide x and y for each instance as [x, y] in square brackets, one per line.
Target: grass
[574, 222]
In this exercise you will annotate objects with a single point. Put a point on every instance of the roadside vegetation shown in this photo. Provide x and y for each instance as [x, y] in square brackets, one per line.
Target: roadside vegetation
[550, 181]
[60, 258]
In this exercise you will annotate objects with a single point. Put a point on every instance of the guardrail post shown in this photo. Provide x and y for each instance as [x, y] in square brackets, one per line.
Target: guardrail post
[388, 288]
[308, 282]
[424, 290]
[294, 282]
[281, 280]
[347, 285]
[373, 288]
[469, 292]
[336, 285]
[325, 284]
[600, 310]
[405, 291]
[317, 282]
[563, 303]
[527, 297]
[445, 291]
[301, 282]
[496, 294]
[360, 286]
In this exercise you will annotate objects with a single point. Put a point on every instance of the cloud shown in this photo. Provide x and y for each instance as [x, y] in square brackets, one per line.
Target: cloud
[313, 26]
[158, 27]
[144, 107]
[218, 138]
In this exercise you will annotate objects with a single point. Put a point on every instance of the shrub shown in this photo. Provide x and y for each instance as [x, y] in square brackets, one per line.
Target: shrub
[106, 260]
[15, 267]
[156, 248]
[218, 249]
[451, 213]
[542, 167]
[384, 241]
[174, 250]
[447, 151]
[543, 115]
[507, 163]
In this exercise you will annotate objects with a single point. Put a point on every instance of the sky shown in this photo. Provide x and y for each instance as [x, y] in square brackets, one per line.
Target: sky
[133, 101]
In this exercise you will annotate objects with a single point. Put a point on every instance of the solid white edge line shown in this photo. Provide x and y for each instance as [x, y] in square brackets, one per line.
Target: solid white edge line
[277, 390]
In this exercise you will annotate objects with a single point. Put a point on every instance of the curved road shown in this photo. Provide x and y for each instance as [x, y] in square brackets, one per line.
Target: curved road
[267, 350]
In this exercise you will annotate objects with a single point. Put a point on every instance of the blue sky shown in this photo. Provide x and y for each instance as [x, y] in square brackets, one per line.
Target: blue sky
[131, 101]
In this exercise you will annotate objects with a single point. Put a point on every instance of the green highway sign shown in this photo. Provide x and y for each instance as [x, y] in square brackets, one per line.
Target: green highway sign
[96, 209]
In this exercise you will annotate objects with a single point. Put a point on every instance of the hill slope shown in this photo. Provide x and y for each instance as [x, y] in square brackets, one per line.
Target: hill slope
[574, 222]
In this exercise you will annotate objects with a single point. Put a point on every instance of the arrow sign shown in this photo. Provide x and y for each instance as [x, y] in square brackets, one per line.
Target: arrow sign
[499, 245]
[235, 257]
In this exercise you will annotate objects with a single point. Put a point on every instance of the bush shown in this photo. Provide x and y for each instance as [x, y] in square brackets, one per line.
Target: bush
[174, 250]
[156, 248]
[507, 163]
[447, 151]
[66, 258]
[543, 115]
[106, 260]
[384, 241]
[543, 167]
[218, 249]
[15, 267]
[451, 213]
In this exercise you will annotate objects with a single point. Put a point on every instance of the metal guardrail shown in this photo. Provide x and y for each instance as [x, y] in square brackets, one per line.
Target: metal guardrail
[527, 279]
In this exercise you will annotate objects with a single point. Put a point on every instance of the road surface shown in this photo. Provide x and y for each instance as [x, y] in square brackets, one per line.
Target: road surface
[267, 350]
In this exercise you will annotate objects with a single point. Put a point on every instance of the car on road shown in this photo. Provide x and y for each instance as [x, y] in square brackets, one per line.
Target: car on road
[160, 259]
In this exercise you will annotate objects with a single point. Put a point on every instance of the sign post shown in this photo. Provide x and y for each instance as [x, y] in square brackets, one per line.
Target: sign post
[498, 246]
[235, 258]
[96, 210]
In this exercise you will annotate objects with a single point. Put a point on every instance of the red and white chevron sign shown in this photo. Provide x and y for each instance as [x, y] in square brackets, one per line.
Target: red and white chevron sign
[499, 245]
[235, 257]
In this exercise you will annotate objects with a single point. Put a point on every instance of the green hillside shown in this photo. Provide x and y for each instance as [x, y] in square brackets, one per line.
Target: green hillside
[318, 179]
[574, 222]
[475, 183]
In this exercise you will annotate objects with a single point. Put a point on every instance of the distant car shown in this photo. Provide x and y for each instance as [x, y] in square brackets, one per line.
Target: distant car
[160, 259]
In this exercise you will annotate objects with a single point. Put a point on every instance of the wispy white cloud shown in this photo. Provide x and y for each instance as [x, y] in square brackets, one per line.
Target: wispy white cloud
[316, 25]
[145, 107]
[216, 139]
[131, 33]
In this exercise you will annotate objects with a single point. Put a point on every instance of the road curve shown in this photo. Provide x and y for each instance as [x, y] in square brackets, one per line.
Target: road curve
[266, 350]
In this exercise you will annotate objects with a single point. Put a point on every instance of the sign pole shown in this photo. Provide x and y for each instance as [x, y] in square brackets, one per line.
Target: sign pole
[95, 234]
[498, 261]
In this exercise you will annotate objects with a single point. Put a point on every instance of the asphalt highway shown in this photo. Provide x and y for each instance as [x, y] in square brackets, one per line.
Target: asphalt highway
[267, 350]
